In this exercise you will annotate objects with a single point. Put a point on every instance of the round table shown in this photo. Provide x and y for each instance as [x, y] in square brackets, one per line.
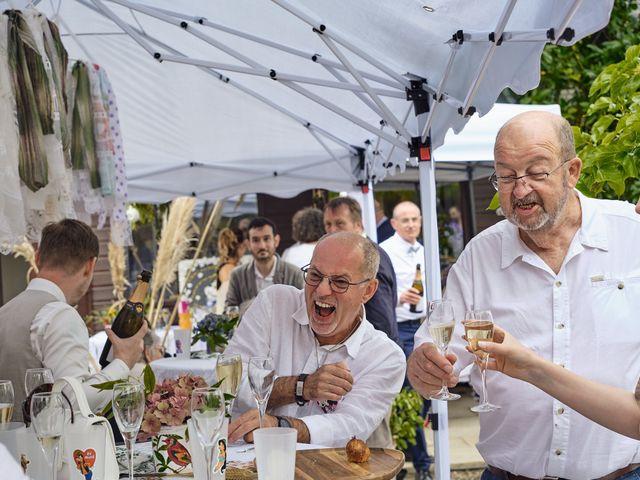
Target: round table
[173, 367]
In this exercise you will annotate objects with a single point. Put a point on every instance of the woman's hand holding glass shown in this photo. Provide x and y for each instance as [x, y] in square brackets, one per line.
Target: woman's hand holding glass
[441, 323]
[478, 326]
[262, 374]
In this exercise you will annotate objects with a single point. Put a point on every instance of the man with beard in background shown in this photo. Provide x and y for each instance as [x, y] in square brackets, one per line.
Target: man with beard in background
[560, 275]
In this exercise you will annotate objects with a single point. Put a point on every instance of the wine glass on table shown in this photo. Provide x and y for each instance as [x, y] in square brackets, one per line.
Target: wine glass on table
[128, 410]
[34, 377]
[47, 418]
[208, 413]
[6, 401]
[261, 375]
[441, 323]
[478, 327]
[229, 371]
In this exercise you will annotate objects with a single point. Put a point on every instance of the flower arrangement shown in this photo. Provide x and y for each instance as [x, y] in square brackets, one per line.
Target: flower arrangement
[215, 330]
[170, 403]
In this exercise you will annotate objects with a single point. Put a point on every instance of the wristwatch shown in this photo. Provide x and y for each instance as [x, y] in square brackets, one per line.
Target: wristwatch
[300, 389]
[283, 422]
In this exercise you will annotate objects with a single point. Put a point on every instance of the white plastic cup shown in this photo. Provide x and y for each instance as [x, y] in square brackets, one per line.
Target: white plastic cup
[275, 453]
[182, 338]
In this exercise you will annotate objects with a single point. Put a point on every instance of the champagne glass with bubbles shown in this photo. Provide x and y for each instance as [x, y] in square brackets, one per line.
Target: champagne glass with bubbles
[261, 375]
[34, 377]
[128, 410]
[208, 412]
[47, 418]
[6, 401]
[441, 323]
[478, 327]
[229, 371]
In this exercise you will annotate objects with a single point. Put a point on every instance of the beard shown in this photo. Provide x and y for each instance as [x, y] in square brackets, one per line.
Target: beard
[547, 218]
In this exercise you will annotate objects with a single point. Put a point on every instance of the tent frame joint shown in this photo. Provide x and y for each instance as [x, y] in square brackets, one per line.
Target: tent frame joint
[420, 149]
[417, 94]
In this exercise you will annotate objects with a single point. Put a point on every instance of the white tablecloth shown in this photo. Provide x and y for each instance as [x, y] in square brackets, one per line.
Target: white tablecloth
[172, 367]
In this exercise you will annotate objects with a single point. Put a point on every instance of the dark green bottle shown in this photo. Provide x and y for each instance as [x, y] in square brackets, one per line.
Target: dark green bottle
[130, 317]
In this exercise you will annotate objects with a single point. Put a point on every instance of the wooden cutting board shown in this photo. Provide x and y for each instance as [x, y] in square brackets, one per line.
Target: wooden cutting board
[332, 464]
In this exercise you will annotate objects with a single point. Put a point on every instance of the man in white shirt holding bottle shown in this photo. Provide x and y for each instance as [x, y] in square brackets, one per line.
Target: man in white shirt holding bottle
[406, 253]
[560, 274]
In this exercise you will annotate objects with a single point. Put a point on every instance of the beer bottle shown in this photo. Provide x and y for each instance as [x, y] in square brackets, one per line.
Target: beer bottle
[130, 317]
[419, 286]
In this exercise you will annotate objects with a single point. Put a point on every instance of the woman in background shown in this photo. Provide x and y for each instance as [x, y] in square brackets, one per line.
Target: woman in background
[231, 248]
[307, 226]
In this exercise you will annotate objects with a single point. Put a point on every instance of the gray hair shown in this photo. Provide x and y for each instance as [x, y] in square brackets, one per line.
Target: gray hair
[368, 249]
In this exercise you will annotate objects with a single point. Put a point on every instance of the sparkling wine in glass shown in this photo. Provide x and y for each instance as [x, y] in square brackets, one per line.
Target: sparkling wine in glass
[6, 401]
[128, 409]
[229, 370]
[441, 323]
[208, 413]
[34, 377]
[478, 326]
[47, 418]
[261, 375]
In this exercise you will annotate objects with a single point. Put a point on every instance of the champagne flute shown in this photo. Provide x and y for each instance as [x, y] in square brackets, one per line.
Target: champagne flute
[47, 418]
[128, 410]
[261, 375]
[34, 377]
[229, 371]
[6, 401]
[208, 413]
[478, 326]
[441, 323]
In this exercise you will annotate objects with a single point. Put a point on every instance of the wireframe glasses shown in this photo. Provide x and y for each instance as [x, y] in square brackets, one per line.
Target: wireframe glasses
[509, 181]
[338, 284]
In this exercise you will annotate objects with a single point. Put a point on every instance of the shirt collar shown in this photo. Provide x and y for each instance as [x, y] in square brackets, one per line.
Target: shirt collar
[47, 286]
[352, 344]
[410, 248]
[271, 272]
[592, 232]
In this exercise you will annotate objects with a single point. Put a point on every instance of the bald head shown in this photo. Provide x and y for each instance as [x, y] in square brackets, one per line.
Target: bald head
[344, 241]
[407, 221]
[551, 128]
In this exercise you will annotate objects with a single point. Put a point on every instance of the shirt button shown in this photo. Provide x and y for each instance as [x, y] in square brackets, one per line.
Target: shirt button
[620, 285]
[560, 326]
[560, 411]
[558, 452]
[558, 283]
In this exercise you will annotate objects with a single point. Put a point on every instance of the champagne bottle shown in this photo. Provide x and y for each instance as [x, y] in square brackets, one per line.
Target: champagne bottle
[130, 317]
[419, 286]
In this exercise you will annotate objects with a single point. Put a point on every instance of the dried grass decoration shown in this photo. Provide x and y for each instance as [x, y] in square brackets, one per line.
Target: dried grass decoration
[26, 251]
[34, 105]
[117, 267]
[178, 231]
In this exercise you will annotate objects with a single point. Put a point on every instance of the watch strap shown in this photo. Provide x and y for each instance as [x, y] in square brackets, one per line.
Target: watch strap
[300, 389]
[283, 422]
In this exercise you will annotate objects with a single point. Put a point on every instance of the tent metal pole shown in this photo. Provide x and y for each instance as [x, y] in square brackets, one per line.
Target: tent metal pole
[433, 291]
[484, 64]
[362, 54]
[567, 18]
[331, 154]
[439, 91]
[360, 96]
[269, 43]
[123, 25]
[388, 115]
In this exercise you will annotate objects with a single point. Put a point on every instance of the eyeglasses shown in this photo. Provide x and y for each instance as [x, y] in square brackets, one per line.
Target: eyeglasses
[502, 183]
[313, 278]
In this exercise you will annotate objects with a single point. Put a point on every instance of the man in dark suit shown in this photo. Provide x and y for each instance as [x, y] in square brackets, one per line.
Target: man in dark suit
[384, 229]
[344, 214]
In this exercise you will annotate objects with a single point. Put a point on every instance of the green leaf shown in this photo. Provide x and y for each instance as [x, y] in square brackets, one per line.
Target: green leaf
[149, 379]
[106, 385]
[495, 202]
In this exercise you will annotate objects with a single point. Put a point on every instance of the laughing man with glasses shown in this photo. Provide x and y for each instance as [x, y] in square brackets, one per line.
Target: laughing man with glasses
[336, 375]
[560, 274]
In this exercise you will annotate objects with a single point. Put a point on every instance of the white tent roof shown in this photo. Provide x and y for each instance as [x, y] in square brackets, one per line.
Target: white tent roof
[226, 127]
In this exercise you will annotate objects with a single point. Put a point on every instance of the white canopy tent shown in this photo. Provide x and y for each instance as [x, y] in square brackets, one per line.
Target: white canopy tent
[239, 96]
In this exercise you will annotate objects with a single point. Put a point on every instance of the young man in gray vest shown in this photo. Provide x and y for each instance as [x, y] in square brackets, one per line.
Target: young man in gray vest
[41, 328]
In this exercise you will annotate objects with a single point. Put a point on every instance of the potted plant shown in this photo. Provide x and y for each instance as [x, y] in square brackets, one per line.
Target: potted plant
[215, 330]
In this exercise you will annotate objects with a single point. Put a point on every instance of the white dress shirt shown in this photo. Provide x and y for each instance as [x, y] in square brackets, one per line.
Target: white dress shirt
[60, 340]
[277, 324]
[266, 281]
[584, 318]
[404, 257]
[299, 254]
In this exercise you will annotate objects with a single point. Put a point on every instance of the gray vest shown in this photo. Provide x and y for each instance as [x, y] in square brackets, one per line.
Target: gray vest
[16, 353]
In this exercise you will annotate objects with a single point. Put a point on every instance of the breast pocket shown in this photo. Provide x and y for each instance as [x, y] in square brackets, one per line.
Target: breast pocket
[616, 304]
